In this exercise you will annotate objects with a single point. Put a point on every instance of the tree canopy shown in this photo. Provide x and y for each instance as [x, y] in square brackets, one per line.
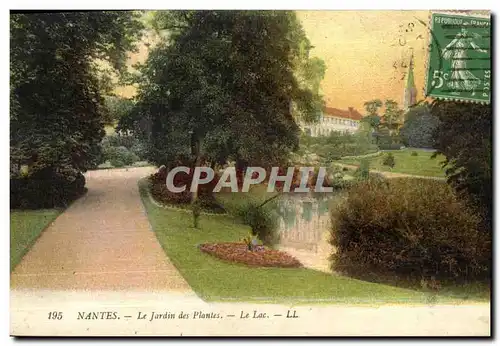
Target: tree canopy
[419, 127]
[57, 83]
[463, 136]
[231, 83]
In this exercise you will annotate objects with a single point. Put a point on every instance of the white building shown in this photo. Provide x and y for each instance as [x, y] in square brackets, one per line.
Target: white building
[334, 119]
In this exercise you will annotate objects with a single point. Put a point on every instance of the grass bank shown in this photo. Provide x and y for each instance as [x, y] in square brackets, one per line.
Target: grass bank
[406, 163]
[216, 280]
[25, 228]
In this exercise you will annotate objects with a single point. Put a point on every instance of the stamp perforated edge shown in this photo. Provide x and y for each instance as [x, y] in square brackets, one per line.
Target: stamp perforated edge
[463, 13]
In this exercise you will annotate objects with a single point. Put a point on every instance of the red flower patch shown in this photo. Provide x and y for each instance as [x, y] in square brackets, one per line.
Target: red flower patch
[259, 257]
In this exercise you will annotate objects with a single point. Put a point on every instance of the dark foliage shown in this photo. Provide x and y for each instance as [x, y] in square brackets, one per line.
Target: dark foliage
[46, 189]
[56, 88]
[410, 227]
[205, 201]
[224, 82]
[387, 141]
[389, 160]
[419, 127]
[262, 221]
[464, 137]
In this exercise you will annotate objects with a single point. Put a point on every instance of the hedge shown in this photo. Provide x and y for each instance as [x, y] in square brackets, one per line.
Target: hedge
[411, 227]
[45, 189]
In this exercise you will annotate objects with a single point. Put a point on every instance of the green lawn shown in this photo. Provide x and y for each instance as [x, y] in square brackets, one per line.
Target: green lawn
[216, 280]
[25, 227]
[422, 164]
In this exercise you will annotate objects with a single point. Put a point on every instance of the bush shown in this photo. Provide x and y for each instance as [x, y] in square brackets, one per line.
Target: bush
[120, 141]
[45, 189]
[116, 108]
[119, 156]
[363, 171]
[411, 227]
[386, 141]
[162, 194]
[337, 145]
[389, 160]
[262, 220]
[206, 201]
[414, 153]
[419, 127]
[117, 162]
[139, 149]
[122, 150]
[390, 146]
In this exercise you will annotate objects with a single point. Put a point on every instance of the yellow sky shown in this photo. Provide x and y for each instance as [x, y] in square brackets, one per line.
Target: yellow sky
[360, 50]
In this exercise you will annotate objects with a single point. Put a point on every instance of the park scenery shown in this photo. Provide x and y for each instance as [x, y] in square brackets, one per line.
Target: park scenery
[395, 207]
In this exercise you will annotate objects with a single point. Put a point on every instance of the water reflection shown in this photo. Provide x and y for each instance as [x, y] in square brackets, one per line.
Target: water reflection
[304, 219]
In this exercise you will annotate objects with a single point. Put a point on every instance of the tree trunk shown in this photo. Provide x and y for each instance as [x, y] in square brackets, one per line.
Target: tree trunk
[195, 151]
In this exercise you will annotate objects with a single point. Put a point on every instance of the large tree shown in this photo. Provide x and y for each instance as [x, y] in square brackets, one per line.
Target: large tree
[224, 85]
[419, 127]
[372, 117]
[392, 116]
[57, 107]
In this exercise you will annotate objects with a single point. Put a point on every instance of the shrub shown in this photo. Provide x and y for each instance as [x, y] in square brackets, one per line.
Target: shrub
[122, 150]
[262, 221]
[119, 156]
[390, 146]
[120, 141]
[46, 189]
[389, 160]
[414, 153]
[419, 127]
[116, 108]
[337, 145]
[139, 149]
[412, 227]
[363, 171]
[162, 194]
[117, 162]
[206, 201]
[386, 141]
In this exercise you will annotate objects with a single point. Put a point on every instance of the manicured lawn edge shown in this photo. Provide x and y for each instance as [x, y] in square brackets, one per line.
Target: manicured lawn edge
[15, 260]
[185, 209]
[32, 241]
[375, 154]
[215, 280]
[405, 163]
[124, 167]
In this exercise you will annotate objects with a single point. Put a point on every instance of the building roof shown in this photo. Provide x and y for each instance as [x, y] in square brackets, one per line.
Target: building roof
[349, 113]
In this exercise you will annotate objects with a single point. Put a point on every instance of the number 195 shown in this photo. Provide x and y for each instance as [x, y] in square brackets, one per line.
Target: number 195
[55, 315]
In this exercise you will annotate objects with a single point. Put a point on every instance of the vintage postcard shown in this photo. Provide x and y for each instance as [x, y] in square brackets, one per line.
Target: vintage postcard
[250, 173]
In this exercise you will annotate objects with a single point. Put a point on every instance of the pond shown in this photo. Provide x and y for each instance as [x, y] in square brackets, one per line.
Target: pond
[304, 225]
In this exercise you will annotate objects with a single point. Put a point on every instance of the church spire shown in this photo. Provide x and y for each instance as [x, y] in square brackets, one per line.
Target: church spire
[410, 82]
[410, 95]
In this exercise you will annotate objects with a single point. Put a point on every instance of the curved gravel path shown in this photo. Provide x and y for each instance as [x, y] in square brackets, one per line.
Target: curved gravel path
[103, 241]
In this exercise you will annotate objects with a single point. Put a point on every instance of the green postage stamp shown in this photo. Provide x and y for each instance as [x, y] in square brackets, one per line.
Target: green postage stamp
[459, 65]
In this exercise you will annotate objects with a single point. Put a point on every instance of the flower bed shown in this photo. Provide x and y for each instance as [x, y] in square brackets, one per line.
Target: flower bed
[259, 257]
